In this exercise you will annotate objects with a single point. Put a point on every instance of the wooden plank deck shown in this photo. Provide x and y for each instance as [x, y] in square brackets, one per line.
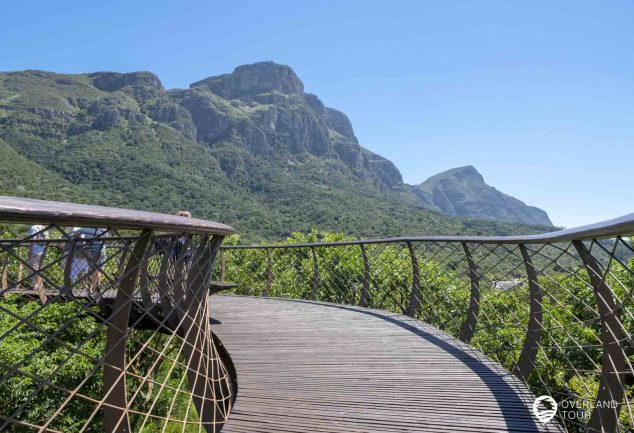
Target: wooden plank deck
[312, 367]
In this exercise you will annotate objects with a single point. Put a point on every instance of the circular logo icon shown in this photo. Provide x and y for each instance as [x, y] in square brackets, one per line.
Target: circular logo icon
[545, 408]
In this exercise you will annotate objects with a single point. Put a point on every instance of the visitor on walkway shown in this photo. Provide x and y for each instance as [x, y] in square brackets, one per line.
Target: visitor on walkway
[181, 245]
[87, 258]
[36, 258]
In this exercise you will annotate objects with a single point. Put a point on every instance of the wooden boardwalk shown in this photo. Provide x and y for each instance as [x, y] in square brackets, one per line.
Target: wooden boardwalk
[312, 367]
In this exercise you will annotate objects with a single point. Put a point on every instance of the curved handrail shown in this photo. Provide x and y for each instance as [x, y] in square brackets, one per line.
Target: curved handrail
[555, 309]
[24, 210]
[622, 226]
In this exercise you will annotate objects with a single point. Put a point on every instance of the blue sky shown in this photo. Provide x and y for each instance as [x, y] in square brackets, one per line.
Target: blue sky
[537, 95]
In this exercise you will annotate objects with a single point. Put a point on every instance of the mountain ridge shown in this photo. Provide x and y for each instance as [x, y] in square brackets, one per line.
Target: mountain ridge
[273, 159]
[462, 191]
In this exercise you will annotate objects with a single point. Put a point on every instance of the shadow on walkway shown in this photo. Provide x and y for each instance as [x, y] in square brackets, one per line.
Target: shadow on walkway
[512, 396]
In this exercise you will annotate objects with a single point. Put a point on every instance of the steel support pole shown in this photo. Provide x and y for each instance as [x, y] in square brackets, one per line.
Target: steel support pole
[115, 412]
[605, 415]
[528, 356]
[469, 326]
[414, 298]
[364, 298]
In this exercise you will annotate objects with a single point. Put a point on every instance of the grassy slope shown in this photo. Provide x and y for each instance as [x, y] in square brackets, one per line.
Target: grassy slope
[24, 178]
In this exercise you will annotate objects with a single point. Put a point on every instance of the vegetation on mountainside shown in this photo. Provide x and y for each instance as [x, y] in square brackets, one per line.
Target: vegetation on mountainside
[260, 154]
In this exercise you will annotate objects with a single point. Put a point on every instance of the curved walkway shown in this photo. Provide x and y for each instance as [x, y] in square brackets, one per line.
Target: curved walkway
[314, 367]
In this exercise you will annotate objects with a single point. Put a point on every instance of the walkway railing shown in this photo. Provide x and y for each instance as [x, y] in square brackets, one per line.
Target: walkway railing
[105, 326]
[555, 309]
[104, 321]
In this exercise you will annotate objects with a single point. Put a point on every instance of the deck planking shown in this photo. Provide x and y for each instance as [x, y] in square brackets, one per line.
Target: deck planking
[314, 367]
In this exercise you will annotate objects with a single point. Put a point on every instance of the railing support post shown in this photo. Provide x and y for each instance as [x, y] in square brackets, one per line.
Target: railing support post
[605, 416]
[167, 272]
[468, 327]
[314, 282]
[414, 298]
[204, 369]
[364, 298]
[269, 273]
[5, 276]
[144, 280]
[115, 413]
[222, 265]
[528, 356]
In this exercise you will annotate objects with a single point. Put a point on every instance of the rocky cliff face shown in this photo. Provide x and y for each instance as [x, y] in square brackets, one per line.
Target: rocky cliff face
[263, 108]
[463, 192]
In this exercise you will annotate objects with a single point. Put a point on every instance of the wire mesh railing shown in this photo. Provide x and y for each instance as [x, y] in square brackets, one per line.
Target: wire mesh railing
[556, 310]
[104, 321]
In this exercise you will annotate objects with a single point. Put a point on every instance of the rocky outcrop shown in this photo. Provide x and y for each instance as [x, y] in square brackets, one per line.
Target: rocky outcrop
[249, 80]
[113, 81]
[462, 192]
[174, 115]
[143, 86]
[340, 123]
[263, 108]
[382, 168]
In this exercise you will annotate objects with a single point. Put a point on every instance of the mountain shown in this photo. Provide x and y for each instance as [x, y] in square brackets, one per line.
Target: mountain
[462, 192]
[250, 148]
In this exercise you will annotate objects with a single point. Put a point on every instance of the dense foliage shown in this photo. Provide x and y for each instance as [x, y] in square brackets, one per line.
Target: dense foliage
[25, 346]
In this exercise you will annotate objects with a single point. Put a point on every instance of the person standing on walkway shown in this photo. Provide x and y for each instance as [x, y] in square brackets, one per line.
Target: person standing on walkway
[181, 245]
[86, 253]
[36, 258]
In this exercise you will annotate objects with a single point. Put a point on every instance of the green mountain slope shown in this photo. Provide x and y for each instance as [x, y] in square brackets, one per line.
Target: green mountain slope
[462, 192]
[249, 148]
[25, 178]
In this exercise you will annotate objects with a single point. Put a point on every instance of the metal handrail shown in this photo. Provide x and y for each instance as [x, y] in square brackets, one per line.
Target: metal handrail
[24, 210]
[622, 226]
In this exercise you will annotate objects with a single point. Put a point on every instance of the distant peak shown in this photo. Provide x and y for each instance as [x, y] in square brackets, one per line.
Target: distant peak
[462, 192]
[254, 79]
[467, 169]
[271, 70]
[462, 174]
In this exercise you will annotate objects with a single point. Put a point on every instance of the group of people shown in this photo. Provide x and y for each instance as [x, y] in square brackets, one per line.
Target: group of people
[84, 255]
